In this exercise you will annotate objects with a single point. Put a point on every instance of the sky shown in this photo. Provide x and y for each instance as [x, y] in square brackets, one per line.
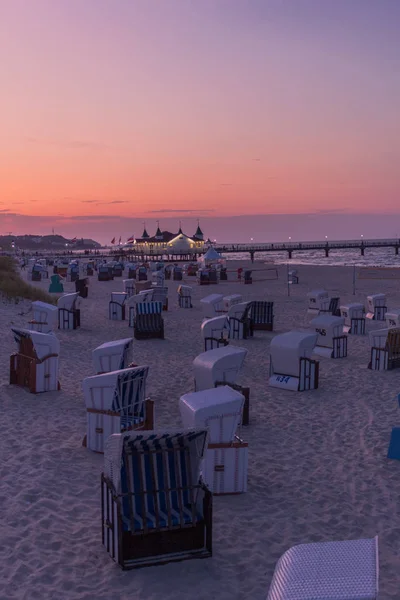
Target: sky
[259, 117]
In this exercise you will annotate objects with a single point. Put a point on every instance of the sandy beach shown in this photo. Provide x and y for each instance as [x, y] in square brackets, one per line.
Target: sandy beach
[317, 460]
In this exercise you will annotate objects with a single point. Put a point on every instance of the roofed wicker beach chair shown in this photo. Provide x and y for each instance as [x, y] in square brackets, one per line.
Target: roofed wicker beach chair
[212, 305]
[177, 273]
[239, 321]
[116, 402]
[262, 315]
[69, 315]
[45, 317]
[218, 365]
[160, 294]
[104, 273]
[316, 300]
[291, 365]
[148, 321]
[141, 274]
[35, 364]
[330, 306]
[185, 296]
[385, 349]
[377, 307]
[347, 570]
[112, 356]
[155, 506]
[226, 459]
[354, 318]
[116, 306]
[331, 342]
[129, 287]
[215, 332]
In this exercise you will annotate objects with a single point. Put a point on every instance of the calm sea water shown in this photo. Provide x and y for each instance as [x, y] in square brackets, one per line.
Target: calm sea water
[374, 257]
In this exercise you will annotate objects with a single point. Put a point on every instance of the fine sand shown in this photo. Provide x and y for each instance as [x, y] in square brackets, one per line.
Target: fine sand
[317, 460]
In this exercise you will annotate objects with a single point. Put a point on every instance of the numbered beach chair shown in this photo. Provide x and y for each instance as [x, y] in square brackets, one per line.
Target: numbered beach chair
[116, 306]
[155, 506]
[69, 315]
[331, 342]
[185, 296]
[262, 316]
[45, 317]
[385, 349]
[316, 300]
[116, 402]
[214, 332]
[346, 570]
[291, 366]
[220, 411]
[377, 308]
[212, 305]
[148, 321]
[160, 294]
[354, 318]
[35, 364]
[239, 321]
[112, 356]
[218, 365]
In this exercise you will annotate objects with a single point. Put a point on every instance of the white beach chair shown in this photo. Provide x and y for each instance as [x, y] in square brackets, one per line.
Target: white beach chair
[218, 365]
[231, 300]
[116, 306]
[377, 307]
[158, 278]
[316, 300]
[160, 294]
[331, 342]
[69, 315]
[293, 277]
[219, 410]
[45, 317]
[392, 318]
[212, 305]
[129, 287]
[116, 402]
[385, 349]
[291, 366]
[214, 332]
[346, 570]
[354, 318]
[112, 356]
[35, 365]
[185, 296]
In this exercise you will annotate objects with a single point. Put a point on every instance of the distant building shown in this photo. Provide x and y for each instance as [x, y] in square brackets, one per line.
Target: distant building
[165, 242]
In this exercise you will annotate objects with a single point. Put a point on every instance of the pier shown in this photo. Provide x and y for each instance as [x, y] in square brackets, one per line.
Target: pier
[325, 246]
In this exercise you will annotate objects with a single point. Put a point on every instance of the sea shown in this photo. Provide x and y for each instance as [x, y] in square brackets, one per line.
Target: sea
[373, 257]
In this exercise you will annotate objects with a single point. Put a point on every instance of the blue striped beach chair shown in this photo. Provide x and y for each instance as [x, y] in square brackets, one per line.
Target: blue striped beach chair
[116, 402]
[148, 321]
[155, 507]
[262, 315]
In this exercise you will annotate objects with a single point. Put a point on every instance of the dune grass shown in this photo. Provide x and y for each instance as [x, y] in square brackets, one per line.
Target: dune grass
[14, 288]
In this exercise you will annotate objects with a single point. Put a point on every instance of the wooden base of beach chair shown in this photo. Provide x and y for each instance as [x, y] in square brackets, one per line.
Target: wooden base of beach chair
[157, 546]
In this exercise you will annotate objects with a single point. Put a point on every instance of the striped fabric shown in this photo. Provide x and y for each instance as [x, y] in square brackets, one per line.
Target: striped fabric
[148, 308]
[158, 480]
[149, 324]
[130, 393]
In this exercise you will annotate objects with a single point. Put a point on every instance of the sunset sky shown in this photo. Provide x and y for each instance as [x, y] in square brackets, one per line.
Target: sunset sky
[113, 112]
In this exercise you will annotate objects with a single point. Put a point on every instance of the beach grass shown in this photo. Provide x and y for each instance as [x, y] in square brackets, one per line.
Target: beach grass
[14, 288]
